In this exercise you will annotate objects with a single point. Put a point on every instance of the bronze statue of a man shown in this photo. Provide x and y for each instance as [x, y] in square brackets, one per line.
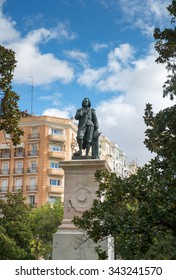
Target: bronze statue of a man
[88, 133]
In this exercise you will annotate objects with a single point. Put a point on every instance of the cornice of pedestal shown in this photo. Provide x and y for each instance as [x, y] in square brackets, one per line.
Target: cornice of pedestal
[85, 163]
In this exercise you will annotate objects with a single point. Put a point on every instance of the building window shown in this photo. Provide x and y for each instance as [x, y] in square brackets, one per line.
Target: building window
[55, 131]
[56, 148]
[4, 185]
[33, 166]
[31, 200]
[32, 184]
[54, 164]
[5, 167]
[5, 153]
[33, 150]
[19, 152]
[34, 129]
[54, 182]
[53, 199]
[18, 183]
[19, 166]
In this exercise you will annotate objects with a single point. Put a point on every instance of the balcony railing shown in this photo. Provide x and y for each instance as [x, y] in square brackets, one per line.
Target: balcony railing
[4, 171]
[18, 171]
[33, 153]
[31, 188]
[17, 188]
[57, 137]
[56, 189]
[19, 153]
[57, 154]
[33, 136]
[5, 154]
[32, 170]
[4, 189]
[56, 171]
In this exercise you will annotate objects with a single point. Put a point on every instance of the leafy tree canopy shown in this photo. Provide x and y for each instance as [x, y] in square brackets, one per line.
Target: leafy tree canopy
[9, 111]
[166, 48]
[15, 231]
[26, 233]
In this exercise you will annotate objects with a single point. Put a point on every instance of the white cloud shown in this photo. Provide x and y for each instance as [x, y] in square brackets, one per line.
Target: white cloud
[44, 67]
[91, 76]
[144, 15]
[8, 33]
[62, 31]
[121, 117]
[55, 113]
[55, 99]
[99, 46]
[118, 57]
[123, 53]
[81, 57]
[64, 113]
[155, 9]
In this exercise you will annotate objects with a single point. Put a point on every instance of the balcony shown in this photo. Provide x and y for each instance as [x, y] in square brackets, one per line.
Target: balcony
[56, 171]
[4, 189]
[57, 154]
[56, 189]
[18, 171]
[5, 154]
[32, 170]
[57, 137]
[34, 153]
[34, 136]
[19, 154]
[17, 188]
[4, 172]
[31, 188]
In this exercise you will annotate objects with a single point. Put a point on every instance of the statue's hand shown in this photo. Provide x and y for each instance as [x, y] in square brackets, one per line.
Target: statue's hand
[80, 112]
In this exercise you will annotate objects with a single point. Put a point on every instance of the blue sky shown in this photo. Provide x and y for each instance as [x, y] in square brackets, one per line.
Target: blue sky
[101, 49]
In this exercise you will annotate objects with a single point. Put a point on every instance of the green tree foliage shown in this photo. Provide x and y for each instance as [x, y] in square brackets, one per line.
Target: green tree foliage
[45, 221]
[140, 211]
[9, 112]
[15, 231]
[166, 48]
[26, 233]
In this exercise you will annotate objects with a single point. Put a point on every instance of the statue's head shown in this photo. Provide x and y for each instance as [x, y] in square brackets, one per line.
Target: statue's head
[86, 102]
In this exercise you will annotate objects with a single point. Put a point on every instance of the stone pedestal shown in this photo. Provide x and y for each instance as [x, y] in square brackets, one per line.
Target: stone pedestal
[79, 193]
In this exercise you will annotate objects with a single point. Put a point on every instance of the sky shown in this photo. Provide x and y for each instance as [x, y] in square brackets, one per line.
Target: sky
[101, 49]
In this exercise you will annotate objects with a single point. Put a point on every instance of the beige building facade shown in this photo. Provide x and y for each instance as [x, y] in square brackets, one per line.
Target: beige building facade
[34, 165]
[116, 158]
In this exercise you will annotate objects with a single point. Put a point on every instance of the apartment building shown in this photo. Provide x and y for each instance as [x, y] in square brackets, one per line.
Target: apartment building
[116, 158]
[34, 165]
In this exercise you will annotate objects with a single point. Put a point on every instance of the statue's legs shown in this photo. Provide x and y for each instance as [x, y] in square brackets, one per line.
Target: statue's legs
[80, 144]
[87, 148]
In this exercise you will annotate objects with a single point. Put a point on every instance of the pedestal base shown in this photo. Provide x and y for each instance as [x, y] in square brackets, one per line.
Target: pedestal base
[80, 188]
[70, 244]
